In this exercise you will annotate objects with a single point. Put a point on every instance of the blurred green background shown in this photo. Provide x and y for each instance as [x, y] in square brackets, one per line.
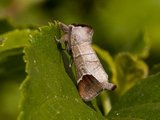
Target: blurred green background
[119, 25]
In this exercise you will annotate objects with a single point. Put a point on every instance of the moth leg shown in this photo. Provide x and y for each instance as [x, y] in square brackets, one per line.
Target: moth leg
[56, 39]
[65, 40]
[59, 44]
[70, 61]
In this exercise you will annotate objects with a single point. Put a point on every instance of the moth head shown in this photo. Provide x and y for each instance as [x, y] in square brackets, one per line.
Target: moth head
[81, 32]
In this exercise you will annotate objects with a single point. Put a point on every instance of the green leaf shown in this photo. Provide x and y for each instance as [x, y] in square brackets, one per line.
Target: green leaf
[14, 39]
[130, 70]
[12, 71]
[107, 62]
[109, 66]
[11, 53]
[139, 103]
[48, 92]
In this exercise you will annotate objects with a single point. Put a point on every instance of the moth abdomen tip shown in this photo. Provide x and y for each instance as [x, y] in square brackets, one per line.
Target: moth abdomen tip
[109, 86]
[114, 87]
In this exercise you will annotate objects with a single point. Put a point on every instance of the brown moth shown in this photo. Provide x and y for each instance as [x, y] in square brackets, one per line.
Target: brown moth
[91, 77]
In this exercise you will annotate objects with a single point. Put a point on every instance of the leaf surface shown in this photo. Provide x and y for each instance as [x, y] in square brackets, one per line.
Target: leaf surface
[12, 71]
[139, 103]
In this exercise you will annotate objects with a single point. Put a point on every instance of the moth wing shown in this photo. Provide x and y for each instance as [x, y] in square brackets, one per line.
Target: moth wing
[89, 87]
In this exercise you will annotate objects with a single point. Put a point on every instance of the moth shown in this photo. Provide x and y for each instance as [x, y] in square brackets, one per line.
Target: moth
[91, 76]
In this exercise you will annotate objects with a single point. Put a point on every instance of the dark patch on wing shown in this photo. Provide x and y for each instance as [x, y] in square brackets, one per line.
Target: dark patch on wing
[89, 87]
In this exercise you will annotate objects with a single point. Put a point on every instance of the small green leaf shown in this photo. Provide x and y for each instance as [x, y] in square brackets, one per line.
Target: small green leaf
[109, 66]
[12, 71]
[107, 62]
[130, 69]
[48, 92]
[11, 54]
[139, 103]
[14, 39]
